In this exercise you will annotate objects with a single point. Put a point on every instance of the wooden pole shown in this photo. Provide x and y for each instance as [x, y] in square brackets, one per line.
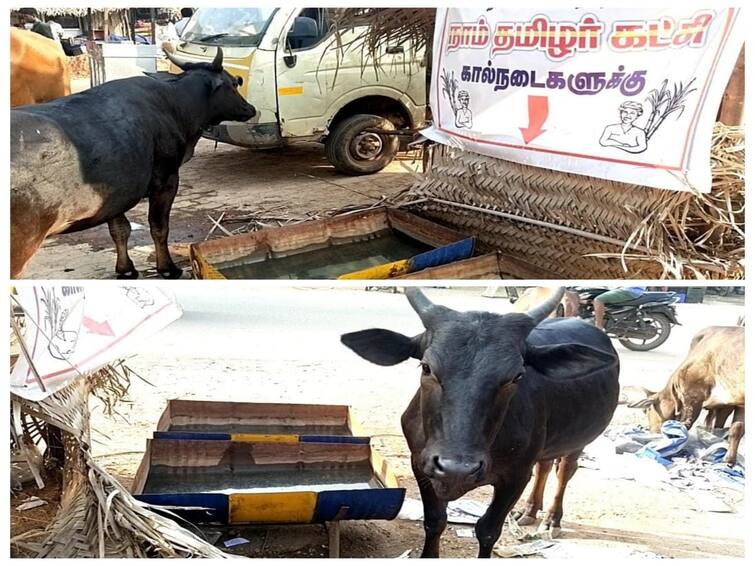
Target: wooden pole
[334, 538]
[732, 107]
[152, 17]
[132, 23]
[105, 24]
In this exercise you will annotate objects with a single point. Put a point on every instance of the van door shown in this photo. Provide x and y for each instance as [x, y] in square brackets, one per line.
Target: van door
[303, 73]
[316, 77]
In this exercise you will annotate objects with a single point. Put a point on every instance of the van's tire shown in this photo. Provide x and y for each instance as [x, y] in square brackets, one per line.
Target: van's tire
[353, 151]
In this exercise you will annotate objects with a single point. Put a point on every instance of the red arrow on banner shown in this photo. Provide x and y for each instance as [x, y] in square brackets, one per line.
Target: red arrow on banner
[537, 106]
[95, 327]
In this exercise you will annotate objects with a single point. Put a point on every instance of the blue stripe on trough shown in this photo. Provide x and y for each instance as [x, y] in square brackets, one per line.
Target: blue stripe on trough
[216, 504]
[443, 255]
[335, 439]
[190, 435]
[358, 504]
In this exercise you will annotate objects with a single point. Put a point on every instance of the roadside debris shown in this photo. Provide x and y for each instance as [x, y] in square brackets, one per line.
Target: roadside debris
[31, 503]
[690, 461]
[465, 533]
[278, 216]
[238, 541]
[535, 547]
[572, 549]
[465, 511]
[462, 511]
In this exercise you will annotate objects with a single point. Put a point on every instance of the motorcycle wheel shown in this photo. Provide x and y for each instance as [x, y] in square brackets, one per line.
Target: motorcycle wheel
[662, 324]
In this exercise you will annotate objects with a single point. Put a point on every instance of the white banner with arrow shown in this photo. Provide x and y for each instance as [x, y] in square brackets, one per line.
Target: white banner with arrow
[628, 94]
[70, 331]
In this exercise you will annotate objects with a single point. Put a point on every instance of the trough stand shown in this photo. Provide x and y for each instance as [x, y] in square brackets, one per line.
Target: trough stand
[334, 533]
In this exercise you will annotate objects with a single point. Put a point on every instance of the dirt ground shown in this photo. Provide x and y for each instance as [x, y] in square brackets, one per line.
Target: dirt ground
[281, 345]
[38, 518]
[230, 181]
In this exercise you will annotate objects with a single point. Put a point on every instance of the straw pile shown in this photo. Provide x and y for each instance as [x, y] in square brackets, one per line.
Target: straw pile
[582, 227]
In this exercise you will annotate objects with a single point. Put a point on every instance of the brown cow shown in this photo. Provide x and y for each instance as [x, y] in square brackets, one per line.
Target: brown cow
[711, 377]
[568, 307]
[533, 296]
[38, 69]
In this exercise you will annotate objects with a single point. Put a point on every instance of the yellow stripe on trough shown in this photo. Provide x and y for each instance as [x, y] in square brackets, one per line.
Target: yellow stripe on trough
[294, 507]
[385, 271]
[200, 266]
[285, 438]
[290, 90]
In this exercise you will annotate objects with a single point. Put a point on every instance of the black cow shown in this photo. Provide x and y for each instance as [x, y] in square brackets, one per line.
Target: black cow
[498, 394]
[86, 159]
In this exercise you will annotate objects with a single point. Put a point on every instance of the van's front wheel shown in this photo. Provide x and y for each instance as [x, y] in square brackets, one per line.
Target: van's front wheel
[354, 150]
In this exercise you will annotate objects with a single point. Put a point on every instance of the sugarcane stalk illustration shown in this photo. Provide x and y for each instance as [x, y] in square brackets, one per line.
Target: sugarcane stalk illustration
[664, 103]
[450, 85]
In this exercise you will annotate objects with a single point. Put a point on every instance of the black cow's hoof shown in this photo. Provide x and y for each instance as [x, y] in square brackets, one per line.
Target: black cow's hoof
[172, 273]
[133, 274]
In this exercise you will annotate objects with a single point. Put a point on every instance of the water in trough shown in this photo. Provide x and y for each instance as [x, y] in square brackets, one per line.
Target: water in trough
[327, 262]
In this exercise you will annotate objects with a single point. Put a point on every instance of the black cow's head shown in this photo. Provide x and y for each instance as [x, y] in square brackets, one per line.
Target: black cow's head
[224, 102]
[471, 365]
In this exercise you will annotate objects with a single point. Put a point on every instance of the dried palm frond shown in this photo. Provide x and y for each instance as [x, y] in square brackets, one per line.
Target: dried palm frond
[98, 516]
[583, 227]
[76, 12]
[389, 26]
[110, 385]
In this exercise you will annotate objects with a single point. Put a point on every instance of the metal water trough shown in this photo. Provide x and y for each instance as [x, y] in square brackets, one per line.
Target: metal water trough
[224, 420]
[266, 463]
[374, 244]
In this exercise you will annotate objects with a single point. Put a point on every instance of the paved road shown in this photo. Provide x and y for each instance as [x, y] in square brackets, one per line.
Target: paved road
[304, 325]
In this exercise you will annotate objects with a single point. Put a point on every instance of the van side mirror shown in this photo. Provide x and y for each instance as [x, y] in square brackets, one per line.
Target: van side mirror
[303, 33]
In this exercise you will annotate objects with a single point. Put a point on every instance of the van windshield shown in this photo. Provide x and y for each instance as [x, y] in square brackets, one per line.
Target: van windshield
[243, 27]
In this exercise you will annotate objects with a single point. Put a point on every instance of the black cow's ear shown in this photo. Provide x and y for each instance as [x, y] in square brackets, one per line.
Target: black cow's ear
[568, 360]
[382, 347]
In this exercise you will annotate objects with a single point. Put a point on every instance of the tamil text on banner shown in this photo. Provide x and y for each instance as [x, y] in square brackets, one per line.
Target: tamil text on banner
[624, 94]
[70, 331]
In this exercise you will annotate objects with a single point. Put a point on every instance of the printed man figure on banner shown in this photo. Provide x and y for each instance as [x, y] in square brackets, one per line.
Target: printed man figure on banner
[463, 113]
[626, 135]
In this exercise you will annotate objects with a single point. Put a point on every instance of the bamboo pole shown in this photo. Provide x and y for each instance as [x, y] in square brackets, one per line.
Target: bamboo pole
[25, 351]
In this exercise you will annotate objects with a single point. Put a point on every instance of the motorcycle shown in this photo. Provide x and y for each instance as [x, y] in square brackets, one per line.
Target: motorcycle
[640, 324]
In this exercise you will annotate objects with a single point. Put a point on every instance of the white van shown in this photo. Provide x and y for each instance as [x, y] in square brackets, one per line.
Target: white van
[307, 84]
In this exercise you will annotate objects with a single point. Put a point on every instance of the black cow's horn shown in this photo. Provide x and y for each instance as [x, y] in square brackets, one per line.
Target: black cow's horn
[426, 310]
[217, 63]
[541, 312]
[177, 61]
